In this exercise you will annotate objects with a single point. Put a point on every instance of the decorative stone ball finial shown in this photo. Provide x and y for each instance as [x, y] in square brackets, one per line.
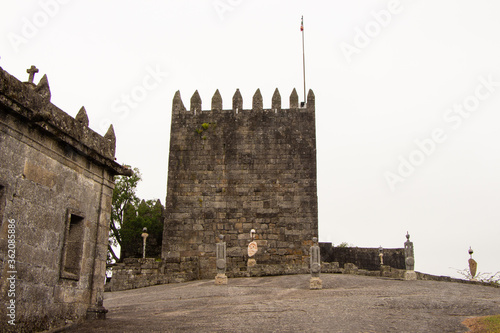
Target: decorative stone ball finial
[472, 265]
[144, 235]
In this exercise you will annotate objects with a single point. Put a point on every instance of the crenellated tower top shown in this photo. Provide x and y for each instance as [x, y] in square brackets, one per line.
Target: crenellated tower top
[237, 105]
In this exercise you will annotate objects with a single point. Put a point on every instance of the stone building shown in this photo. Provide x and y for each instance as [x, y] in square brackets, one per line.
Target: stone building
[56, 185]
[234, 170]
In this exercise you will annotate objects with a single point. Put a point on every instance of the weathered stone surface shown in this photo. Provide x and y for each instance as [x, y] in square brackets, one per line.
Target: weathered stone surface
[276, 101]
[43, 88]
[220, 279]
[195, 102]
[294, 99]
[230, 172]
[257, 104]
[315, 283]
[217, 101]
[347, 303]
[410, 275]
[56, 184]
[82, 117]
[237, 101]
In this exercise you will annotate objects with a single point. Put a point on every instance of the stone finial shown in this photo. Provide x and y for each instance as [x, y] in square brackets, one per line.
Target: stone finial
[257, 104]
[177, 104]
[310, 100]
[82, 117]
[276, 101]
[315, 265]
[32, 71]
[43, 88]
[217, 101]
[111, 137]
[196, 102]
[294, 99]
[237, 101]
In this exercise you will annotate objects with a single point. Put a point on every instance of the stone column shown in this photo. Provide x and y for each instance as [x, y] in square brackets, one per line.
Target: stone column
[472, 266]
[409, 259]
[252, 250]
[315, 261]
[221, 278]
[144, 236]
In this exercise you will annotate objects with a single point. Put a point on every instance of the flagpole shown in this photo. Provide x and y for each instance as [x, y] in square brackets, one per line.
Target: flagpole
[303, 57]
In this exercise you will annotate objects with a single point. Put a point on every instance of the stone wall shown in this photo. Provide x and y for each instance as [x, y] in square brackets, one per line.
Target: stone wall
[138, 272]
[363, 258]
[233, 170]
[56, 184]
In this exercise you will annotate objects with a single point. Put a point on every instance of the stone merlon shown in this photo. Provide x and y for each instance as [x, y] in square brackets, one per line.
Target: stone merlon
[31, 103]
[237, 105]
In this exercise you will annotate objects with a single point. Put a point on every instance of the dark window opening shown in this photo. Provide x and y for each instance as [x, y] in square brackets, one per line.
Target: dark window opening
[73, 247]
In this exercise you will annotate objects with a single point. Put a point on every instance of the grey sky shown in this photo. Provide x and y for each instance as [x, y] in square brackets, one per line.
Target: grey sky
[386, 74]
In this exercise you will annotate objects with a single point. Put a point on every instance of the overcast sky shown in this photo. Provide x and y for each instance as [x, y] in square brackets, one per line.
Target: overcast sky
[407, 99]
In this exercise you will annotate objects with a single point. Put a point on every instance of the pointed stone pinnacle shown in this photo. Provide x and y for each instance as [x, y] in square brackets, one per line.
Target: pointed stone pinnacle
[276, 100]
[43, 88]
[177, 104]
[294, 99]
[82, 117]
[257, 104]
[310, 100]
[237, 101]
[110, 136]
[196, 102]
[217, 101]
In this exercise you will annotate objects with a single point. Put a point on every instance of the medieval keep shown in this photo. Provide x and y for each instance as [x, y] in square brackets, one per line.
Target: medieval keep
[234, 170]
[56, 186]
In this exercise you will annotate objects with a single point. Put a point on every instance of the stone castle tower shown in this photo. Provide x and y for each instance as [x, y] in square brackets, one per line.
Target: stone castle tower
[233, 170]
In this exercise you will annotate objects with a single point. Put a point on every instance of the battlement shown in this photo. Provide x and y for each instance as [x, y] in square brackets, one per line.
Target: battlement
[237, 105]
[32, 103]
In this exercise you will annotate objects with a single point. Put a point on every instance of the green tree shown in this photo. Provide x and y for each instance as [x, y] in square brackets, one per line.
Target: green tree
[123, 196]
[148, 214]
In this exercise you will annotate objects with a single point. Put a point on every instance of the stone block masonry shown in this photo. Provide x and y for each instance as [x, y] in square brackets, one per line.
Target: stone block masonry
[362, 258]
[56, 187]
[233, 170]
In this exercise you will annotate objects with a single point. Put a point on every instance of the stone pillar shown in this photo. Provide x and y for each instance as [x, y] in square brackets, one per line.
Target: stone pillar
[472, 266]
[381, 255]
[144, 236]
[409, 259]
[252, 249]
[96, 309]
[315, 261]
[221, 278]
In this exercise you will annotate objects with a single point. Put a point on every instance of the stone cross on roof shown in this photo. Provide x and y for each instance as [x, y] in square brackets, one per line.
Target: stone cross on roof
[32, 72]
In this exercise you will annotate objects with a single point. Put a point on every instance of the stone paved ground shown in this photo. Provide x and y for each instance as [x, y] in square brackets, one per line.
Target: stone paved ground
[347, 303]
